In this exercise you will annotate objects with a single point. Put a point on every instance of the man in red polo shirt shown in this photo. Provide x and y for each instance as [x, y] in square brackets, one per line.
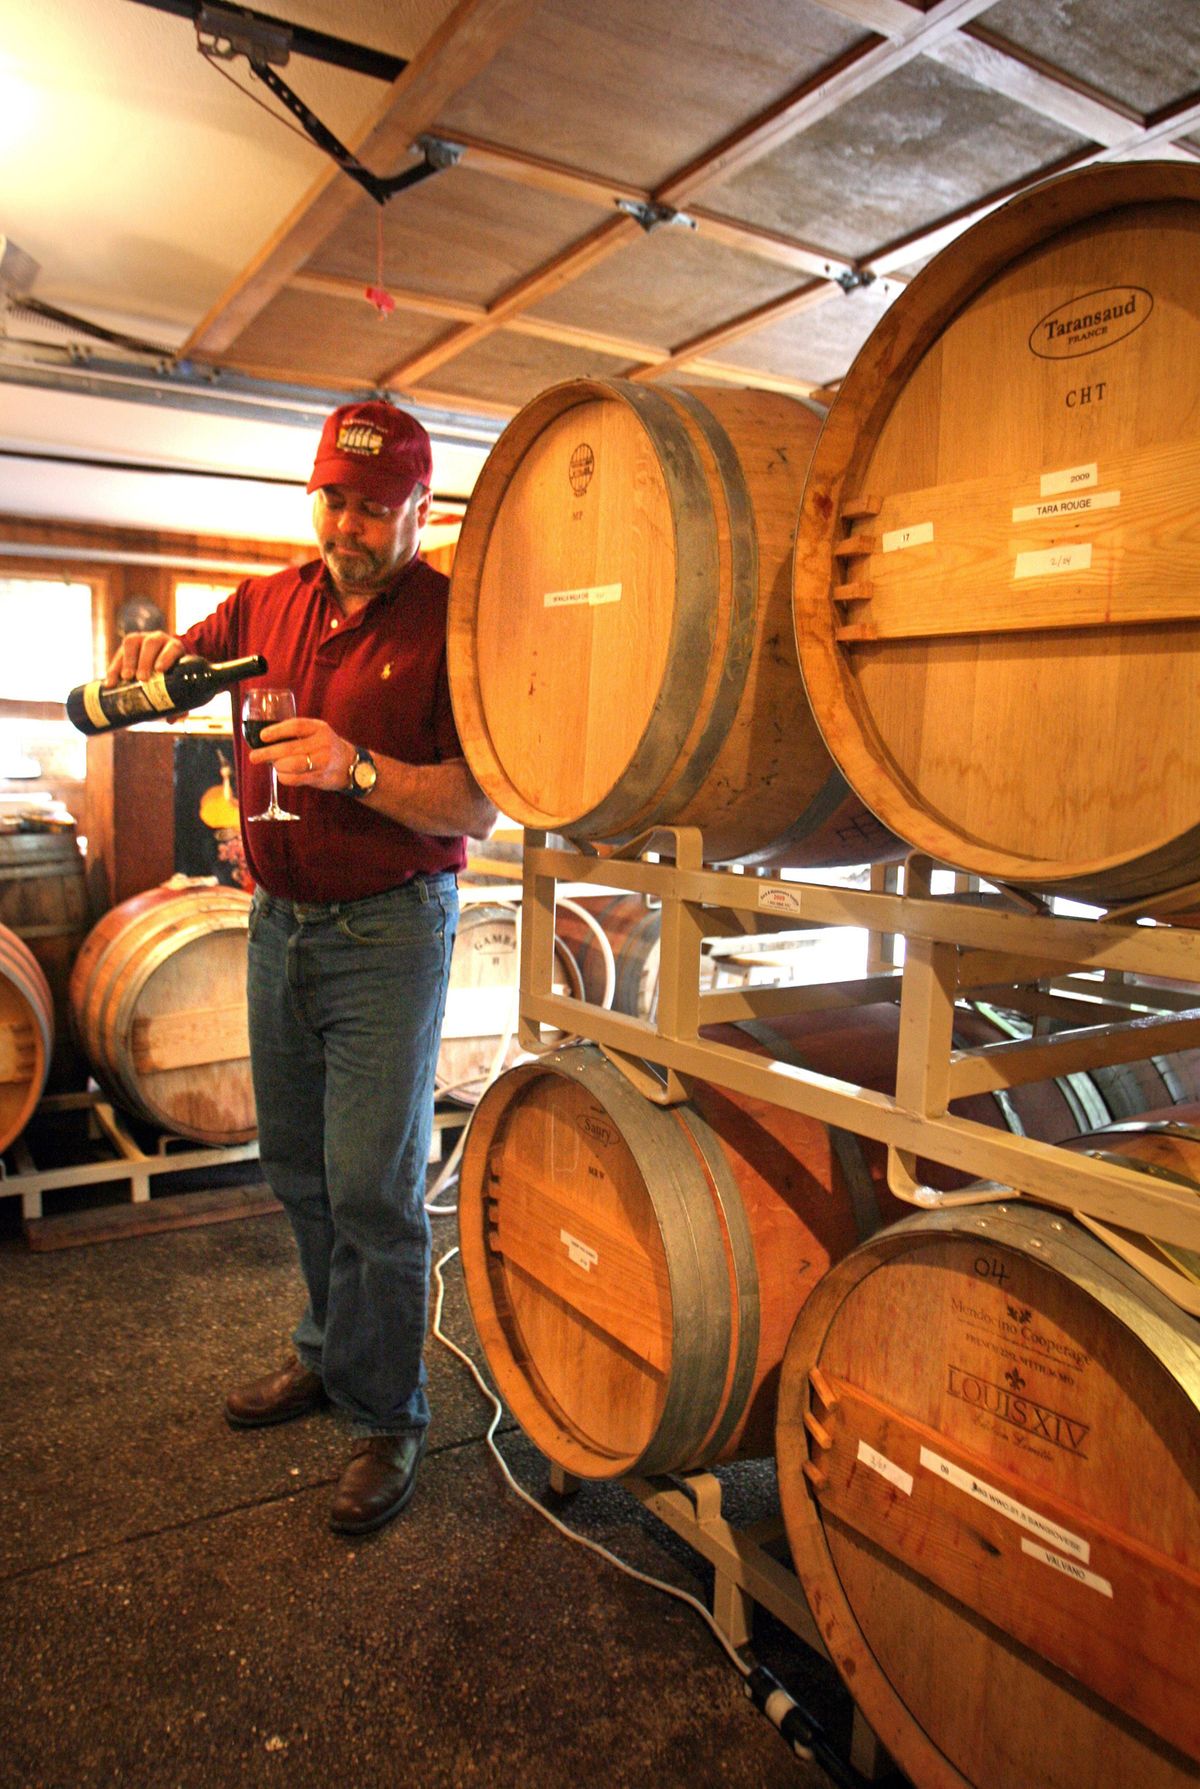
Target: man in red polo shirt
[351, 929]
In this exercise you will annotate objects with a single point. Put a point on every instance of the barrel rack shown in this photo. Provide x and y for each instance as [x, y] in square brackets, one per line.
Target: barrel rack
[1089, 975]
[1087, 972]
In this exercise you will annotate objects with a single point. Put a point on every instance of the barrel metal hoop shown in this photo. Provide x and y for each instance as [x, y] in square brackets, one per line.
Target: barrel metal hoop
[1155, 1170]
[1083, 1097]
[743, 618]
[701, 1324]
[697, 567]
[748, 1302]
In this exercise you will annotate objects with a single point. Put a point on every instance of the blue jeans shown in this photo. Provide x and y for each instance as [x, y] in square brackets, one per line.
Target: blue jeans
[346, 1004]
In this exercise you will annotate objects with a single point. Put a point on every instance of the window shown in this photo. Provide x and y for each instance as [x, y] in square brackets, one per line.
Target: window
[47, 638]
[194, 601]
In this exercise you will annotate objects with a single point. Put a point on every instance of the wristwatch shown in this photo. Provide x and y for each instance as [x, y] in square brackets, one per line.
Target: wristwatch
[364, 774]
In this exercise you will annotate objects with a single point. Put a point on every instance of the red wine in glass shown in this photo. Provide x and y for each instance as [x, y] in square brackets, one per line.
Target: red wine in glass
[262, 708]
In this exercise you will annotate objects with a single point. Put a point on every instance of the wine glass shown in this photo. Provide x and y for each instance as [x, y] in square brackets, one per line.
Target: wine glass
[262, 708]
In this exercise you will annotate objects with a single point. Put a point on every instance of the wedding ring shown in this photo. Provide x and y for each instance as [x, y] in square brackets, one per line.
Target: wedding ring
[308, 761]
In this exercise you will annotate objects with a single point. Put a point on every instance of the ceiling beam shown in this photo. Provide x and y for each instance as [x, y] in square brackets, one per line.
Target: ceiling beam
[774, 311]
[815, 98]
[462, 46]
[550, 277]
[331, 285]
[860, 69]
[900, 33]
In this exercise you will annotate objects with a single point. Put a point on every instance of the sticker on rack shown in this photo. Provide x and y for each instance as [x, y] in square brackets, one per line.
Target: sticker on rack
[581, 1255]
[1075, 478]
[774, 899]
[1067, 1567]
[591, 595]
[1006, 1506]
[918, 535]
[886, 1468]
[1066, 506]
[1053, 562]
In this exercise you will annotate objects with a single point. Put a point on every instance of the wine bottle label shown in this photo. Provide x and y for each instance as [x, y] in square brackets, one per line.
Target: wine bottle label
[160, 696]
[129, 702]
[92, 708]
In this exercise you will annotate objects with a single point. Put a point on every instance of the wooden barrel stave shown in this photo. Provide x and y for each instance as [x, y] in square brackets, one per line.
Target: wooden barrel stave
[1058, 1605]
[158, 1002]
[26, 1035]
[620, 641]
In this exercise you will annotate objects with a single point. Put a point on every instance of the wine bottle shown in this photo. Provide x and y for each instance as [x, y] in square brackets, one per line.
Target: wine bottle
[189, 682]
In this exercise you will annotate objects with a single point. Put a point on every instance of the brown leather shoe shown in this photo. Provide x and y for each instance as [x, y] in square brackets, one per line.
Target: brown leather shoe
[294, 1390]
[378, 1482]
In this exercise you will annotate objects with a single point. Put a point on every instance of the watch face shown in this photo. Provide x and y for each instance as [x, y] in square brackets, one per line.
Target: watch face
[365, 775]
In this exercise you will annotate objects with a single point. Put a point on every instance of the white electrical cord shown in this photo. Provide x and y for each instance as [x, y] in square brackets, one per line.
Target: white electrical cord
[631, 1571]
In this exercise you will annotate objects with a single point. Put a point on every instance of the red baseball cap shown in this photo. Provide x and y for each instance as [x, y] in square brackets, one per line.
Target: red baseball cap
[374, 449]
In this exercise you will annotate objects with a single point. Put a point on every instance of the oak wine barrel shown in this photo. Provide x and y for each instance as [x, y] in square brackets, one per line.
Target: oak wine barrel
[26, 1035]
[158, 1000]
[44, 900]
[620, 642]
[997, 583]
[634, 1270]
[1165, 1145]
[632, 928]
[481, 999]
[989, 1463]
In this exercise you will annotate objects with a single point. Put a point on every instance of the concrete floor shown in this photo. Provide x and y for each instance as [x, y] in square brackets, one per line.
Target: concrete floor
[176, 1612]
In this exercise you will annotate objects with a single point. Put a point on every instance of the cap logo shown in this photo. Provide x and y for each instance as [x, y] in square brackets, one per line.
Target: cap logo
[360, 437]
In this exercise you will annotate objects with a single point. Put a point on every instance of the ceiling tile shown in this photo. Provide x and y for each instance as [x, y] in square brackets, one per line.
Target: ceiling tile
[1144, 55]
[815, 345]
[506, 368]
[639, 88]
[318, 340]
[667, 287]
[918, 146]
[457, 235]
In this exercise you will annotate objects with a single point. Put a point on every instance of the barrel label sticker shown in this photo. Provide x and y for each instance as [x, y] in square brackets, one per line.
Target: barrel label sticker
[886, 1468]
[918, 535]
[1052, 562]
[1066, 506]
[779, 900]
[1093, 321]
[1067, 1567]
[591, 595]
[579, 1252]
[1075, 478]
[1006, 1506]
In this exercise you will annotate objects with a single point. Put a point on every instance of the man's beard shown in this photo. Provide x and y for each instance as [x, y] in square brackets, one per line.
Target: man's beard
[357, 569]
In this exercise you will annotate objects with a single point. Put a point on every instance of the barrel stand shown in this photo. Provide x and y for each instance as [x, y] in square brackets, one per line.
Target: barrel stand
[129, 1167]
[953, 950]
[747, 1570]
